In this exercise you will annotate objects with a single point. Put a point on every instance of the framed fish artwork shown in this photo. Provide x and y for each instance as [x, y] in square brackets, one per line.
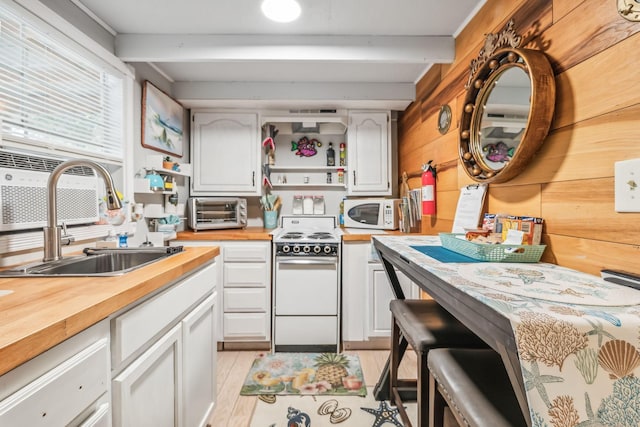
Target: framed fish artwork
[162, 121]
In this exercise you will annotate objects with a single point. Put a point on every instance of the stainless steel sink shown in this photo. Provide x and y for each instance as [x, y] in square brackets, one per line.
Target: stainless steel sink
[95, 262]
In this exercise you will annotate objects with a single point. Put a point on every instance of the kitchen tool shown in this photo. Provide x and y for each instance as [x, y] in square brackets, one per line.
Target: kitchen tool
[156, 183]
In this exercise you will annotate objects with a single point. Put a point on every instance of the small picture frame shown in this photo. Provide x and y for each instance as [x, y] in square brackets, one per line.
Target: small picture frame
[444, 119]
[162, 121]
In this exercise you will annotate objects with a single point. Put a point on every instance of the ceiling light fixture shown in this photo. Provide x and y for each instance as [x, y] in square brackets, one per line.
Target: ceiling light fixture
[281, 10]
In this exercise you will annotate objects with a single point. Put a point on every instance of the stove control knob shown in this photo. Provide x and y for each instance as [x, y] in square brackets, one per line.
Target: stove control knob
[317, 249]
[296, 249]
[306, 249]
[327, 249]
[286, 248]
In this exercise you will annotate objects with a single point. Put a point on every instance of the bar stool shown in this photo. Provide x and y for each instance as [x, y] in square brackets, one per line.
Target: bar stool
[425, 325]
[474, 384]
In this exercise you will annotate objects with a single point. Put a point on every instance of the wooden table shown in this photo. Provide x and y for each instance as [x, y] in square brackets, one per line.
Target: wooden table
[506, 312]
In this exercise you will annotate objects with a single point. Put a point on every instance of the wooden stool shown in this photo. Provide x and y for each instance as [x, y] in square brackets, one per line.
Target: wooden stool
[425, 325]
[474, 384]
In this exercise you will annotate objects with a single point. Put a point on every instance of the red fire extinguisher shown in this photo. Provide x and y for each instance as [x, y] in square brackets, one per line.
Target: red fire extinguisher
[428, 189]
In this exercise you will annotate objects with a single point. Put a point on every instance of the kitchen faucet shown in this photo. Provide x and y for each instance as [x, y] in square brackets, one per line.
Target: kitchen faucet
[53, 232]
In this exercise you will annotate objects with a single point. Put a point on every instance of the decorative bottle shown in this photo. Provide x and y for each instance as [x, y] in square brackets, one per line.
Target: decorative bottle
[331, 155]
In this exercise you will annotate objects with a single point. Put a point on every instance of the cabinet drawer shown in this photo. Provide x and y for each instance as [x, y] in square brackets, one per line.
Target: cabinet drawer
[245, 275]
[246, 253]
[133, 329]
[245, 326]
[245, 299]
[78, 382]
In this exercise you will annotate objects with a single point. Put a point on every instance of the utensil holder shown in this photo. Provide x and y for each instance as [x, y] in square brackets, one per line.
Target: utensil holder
[270, 219]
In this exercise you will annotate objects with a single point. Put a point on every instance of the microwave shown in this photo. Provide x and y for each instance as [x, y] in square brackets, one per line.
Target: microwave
[211, 213]
[372, 213]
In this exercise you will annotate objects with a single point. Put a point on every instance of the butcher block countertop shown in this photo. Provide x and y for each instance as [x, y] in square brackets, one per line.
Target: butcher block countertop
[259, 233]
[42, 312]
[364, 235]
[248, 233]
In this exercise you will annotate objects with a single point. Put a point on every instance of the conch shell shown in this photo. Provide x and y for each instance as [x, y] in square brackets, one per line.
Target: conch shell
[619, 358]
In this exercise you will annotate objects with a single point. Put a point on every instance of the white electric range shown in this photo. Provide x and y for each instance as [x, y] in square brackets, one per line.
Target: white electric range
[306, 284]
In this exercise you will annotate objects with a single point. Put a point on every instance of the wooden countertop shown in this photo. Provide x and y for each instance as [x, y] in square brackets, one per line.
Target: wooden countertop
[42, 312]
[364, 235]
[248, 233]
[260, 233]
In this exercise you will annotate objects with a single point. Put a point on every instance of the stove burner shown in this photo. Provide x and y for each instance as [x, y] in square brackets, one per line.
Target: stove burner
[321, 235]
[292, 235]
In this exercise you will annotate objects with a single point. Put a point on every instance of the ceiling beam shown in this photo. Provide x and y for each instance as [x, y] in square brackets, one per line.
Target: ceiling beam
[393, 95]
[212, 48]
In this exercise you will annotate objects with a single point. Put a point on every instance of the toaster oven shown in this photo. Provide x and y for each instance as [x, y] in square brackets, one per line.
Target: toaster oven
[210, 213]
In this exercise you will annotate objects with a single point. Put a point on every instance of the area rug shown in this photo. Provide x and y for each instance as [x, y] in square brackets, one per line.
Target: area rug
[333, 374]
[326, 411]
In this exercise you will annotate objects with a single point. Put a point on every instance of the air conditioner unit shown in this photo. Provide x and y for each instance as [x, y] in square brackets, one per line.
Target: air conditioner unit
[23, 192]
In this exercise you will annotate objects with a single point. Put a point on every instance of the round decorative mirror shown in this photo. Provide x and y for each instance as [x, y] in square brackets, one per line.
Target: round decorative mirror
[507, 112]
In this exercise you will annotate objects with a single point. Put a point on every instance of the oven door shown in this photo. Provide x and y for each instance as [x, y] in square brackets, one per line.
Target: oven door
[306, 286]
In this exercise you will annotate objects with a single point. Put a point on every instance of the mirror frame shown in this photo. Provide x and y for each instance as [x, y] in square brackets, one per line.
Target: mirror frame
[542, 102]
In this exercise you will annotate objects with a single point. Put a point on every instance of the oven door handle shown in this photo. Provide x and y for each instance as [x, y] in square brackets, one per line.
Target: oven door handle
[308, 261]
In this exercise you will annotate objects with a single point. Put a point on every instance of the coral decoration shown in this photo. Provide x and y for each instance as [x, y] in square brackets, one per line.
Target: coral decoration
[563, 412]
[541, 337]
[587, 364]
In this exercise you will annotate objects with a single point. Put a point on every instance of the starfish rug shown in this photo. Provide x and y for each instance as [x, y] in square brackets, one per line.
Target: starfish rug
[328, 411]
[334, 374]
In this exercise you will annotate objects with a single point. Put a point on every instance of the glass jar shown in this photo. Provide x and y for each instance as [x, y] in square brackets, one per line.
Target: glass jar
[307, 205]
[297, 205]
[341, 176]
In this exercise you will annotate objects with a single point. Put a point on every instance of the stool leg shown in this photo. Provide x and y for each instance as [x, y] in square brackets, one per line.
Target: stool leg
[423, 390]
[436, 404]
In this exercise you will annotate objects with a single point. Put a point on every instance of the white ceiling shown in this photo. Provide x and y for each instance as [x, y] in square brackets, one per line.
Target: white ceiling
[339, 54]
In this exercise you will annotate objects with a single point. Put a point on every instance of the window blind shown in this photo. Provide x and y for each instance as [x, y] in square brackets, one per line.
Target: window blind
[53, 96]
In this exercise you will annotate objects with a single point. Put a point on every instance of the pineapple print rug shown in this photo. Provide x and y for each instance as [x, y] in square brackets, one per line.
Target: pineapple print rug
[305, 374]
[328, 411]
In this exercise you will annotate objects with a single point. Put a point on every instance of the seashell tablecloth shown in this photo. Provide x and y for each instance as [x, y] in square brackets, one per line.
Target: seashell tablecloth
[577, 335]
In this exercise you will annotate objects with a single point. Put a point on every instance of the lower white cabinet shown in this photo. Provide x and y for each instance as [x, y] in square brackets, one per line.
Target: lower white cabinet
[66, 386]
[245, 306]
[379, 295]
[366, 294]
[199, 362]
[149, 391]
[164, 356]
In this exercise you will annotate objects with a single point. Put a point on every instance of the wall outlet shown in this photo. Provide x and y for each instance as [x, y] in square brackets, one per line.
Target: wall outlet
[627, 186]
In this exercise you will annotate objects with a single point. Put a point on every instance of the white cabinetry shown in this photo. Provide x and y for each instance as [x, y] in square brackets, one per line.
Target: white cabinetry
[149, 391]
[67, 385]
[379, 294]
[164, 355]
[246, 292]
[369, 153]
[364, 279]
[225, 148]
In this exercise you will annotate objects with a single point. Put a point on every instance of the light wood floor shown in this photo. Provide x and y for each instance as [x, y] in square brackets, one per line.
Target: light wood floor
[233, 410]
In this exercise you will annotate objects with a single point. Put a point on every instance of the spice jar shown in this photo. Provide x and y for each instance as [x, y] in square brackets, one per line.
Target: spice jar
[341, 176]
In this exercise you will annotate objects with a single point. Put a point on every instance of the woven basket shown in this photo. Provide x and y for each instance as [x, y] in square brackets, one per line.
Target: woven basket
[489, 252]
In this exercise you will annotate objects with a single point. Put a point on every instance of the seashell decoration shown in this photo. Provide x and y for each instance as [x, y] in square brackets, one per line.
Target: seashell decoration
[619, 358]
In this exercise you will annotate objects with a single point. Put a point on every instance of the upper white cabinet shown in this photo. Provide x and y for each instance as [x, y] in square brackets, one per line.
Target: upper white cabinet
[369, 153]
[225, 154]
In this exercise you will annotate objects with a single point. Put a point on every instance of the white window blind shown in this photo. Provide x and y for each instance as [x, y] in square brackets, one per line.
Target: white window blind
[53, 96]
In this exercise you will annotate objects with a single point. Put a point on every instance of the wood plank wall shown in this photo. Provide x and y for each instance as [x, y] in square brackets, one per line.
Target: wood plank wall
[594, 53]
